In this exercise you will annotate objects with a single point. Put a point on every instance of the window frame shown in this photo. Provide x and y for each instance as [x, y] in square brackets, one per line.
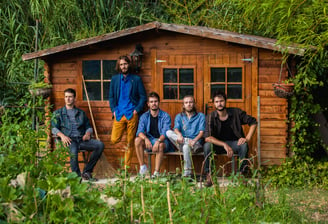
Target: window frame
[194, 84]
[226, 82]
[103, 101]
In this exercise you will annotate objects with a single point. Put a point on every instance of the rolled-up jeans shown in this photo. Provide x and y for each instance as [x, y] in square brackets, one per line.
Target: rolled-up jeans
[185, 148]
[93, 145]
[241, 150]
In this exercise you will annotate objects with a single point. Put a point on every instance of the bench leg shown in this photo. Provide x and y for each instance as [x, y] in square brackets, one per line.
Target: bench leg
[85, 157]
[233, 165]
[149, 162]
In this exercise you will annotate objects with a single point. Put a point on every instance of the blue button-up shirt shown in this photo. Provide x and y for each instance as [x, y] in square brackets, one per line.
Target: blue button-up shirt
[189, 128]
[125, 106]
[164, 123]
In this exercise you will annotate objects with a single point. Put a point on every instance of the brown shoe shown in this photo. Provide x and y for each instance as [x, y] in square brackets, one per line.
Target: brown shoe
[208, 182]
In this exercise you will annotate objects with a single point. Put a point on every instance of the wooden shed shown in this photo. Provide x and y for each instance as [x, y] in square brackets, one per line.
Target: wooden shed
[179, 60]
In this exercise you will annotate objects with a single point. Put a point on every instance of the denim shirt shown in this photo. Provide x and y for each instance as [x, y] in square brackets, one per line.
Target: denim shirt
[61, 123]
[238, 117]
[189, 128]
[164, 123]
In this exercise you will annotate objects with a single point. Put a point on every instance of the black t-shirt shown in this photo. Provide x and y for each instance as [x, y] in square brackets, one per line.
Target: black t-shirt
[154, 126]
[226, 133]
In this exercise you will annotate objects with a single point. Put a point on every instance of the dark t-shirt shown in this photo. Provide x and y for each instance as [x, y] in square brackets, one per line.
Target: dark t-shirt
[226, 133]
[154, 126]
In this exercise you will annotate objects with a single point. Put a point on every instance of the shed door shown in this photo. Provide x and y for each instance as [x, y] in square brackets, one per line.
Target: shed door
[178, 76]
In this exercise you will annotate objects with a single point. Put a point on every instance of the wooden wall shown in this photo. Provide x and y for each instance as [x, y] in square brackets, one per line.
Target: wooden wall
[274, 110]
[176, 49]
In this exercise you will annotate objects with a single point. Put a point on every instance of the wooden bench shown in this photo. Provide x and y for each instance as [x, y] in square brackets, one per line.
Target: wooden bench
[178, 153]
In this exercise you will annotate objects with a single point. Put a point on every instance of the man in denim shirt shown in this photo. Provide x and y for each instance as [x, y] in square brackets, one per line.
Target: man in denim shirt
[189, 127]
[72, 126]
[151, 134]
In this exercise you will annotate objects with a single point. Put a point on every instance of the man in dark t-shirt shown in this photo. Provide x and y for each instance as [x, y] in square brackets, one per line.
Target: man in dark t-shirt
[151, 134]
[224, 131]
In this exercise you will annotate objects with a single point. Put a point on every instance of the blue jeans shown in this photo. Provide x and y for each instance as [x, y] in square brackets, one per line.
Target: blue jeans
[241, 150]
[96, 146]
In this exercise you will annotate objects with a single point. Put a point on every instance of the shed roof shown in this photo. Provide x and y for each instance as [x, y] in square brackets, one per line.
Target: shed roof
[211, 33]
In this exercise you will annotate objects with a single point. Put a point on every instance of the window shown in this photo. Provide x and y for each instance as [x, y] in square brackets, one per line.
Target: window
[227, 80]
[97, 75]
[178, 82]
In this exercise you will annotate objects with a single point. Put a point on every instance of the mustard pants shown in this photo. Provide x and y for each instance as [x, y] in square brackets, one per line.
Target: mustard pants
[117, 132]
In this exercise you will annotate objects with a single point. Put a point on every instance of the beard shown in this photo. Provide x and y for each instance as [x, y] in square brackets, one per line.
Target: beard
[221, 108]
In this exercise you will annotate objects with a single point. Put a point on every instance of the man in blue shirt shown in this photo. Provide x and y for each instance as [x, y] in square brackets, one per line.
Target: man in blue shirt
[72, 126]
[151, 134]
[127, 97]
[189, 127]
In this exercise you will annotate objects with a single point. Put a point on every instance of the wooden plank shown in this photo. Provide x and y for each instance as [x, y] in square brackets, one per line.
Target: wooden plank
[274, 109]
[273, 116]
[273, 101]
[273, 124]
[273, 131]
[273, 139]
[271, 146]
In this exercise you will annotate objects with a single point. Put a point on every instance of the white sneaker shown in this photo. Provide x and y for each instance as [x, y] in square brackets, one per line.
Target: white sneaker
[143, 170]
[155, 175]
[187, 173]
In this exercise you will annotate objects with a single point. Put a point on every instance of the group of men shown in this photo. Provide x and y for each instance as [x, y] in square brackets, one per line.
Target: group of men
[151, 130]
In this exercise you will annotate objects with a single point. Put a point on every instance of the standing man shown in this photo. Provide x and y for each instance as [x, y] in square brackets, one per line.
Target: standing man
[224, 130]
[151, 134]
[127, 97]
[189, 127]
[72, 126]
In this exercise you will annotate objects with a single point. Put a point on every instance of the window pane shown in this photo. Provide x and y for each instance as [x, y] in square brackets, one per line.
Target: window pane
[215, 88]
[91, 69]
[186, 90]
[106, 90]
[234, 92]
[94, 91]
[234, 75]
[217, 74]
[170, 75]
[186, 75]
[170, 92]
[109, 69]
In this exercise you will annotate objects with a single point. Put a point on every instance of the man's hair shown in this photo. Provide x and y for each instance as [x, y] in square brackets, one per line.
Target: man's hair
[153, 94]
[219, 94]
[125, 58]
[193, 99]
[70, 90]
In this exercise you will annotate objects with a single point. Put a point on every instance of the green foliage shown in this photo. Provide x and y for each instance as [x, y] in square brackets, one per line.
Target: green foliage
[38, 85]
[147, 202]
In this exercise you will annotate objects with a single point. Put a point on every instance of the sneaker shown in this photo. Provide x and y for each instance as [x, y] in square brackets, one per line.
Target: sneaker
[155, 175]
[143, 170]
[187, 173]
